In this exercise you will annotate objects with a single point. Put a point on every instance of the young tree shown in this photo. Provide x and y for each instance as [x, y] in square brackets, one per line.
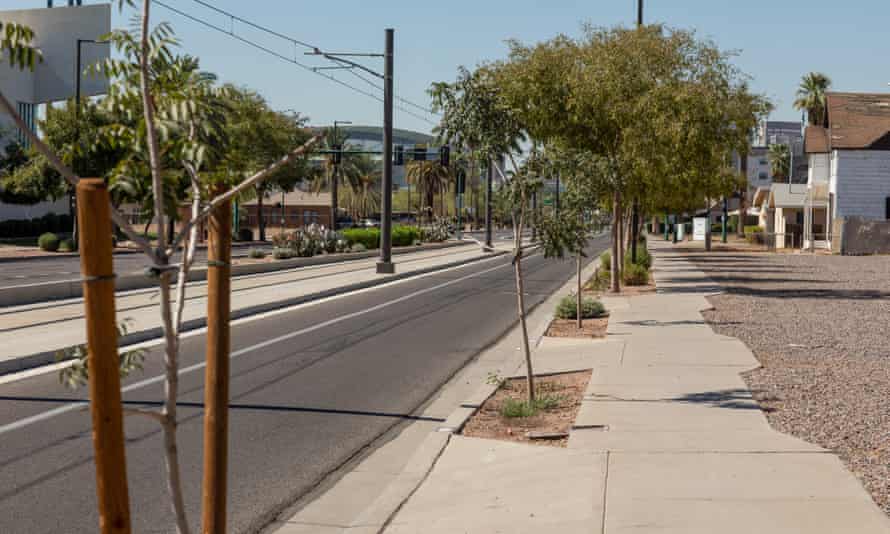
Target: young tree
[174, 119]
[475, 115]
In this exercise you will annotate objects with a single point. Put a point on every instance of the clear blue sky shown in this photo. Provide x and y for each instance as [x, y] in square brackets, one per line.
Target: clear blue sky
[778, 41]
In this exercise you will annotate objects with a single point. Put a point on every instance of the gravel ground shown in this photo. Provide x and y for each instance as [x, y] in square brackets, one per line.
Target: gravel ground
[819, 326]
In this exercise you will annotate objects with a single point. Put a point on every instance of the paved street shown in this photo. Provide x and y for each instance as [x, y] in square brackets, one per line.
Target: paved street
[310, 388]
[35, 271]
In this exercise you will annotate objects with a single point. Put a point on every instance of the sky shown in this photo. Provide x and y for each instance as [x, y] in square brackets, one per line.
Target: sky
[777, 42]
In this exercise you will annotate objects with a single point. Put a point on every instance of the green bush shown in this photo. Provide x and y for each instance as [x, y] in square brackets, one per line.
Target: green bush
[643, 257]
[590, 308]
[283, 254]
[367, 237]
[515, 408]
[50, 222]
[754, 238]
[606, 262]
[256, 253]
[753, 230]
[635, 274]
[48, 242]
[67, 245]
[405, 236]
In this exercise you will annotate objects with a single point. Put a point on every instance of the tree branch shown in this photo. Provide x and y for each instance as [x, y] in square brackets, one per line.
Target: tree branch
[151, 136]
[157, 417]
[249, 182]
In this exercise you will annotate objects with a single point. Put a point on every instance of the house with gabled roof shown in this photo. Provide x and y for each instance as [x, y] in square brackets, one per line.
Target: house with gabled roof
[849, 171]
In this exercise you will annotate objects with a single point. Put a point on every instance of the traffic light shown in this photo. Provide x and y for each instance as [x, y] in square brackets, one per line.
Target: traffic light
[461, 181]
[419, 152]
[445, 156]
[399, 155]
[336, 155]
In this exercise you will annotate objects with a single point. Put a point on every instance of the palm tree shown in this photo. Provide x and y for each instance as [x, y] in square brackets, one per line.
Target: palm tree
[430, 178]
[811, 96]
[331, 175]
[362, 192]
[780, 162]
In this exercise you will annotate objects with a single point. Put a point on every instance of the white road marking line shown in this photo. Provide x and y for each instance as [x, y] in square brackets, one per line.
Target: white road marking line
[27, 421]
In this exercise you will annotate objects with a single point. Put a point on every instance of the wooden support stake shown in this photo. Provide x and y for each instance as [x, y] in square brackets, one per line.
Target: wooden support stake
[216, 382]
[94, 216]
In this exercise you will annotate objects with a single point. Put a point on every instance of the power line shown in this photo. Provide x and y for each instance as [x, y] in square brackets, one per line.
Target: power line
[231, 33]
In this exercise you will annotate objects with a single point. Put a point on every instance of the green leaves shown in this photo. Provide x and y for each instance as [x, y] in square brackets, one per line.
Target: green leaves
[16, 43]
[78, 373]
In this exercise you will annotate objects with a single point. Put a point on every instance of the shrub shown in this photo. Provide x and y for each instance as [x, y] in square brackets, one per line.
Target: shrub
[753, 230]
[256, 253]
[755, 238]
[590, 308]
[48, 242]
[606, 262]
[514, 408]
[643, 257]
[436, 232]
[405, 236]
[367, 237]
[67, 245]
[283, 254]
[635, 274]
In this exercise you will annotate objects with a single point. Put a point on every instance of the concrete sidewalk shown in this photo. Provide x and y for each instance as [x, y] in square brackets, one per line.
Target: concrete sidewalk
[30, 334]
[668, 440]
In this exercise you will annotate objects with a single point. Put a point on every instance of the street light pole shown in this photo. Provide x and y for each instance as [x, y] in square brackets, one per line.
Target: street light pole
[385, 265]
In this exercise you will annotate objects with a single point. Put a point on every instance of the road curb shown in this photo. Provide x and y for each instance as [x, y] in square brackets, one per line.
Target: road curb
[49, 357]
[68, 289]
[376, 517]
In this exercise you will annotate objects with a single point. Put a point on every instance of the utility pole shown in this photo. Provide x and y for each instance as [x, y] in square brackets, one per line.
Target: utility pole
[535, 212]
[385, 265]
[216, 377]
[635, 215]
[488, 200]
[725, 220]
[557, 195]
[97, 267]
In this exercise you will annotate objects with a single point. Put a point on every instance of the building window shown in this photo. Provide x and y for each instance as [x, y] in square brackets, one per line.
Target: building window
[887, 209]
[764, 162]
[763, 176]
[310, 217]
[26, 112]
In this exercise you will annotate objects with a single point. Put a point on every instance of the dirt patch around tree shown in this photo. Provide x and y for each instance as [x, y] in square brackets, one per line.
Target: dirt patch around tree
[563, 393]
[591, 328]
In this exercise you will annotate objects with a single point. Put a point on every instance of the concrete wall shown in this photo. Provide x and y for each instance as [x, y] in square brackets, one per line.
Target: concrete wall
[861, 236]
[861, 183]
[23, 211]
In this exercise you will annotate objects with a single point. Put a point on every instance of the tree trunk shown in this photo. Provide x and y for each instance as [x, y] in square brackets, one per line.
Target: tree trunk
[578, 296]
[261, 221]
[616, 243]
[335, 191]
[621, 234]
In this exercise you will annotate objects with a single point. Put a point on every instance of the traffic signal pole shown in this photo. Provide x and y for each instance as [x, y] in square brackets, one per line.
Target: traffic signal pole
[385, 265]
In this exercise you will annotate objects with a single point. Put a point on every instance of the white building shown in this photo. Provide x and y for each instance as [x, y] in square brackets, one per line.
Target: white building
[58, 32]
[850, 162]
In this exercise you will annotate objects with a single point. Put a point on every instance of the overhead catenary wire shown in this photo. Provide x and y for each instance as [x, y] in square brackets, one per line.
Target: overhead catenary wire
[314, 70]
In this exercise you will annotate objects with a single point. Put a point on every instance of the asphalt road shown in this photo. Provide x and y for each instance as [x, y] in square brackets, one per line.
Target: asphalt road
[41, 270]
[327, 381]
